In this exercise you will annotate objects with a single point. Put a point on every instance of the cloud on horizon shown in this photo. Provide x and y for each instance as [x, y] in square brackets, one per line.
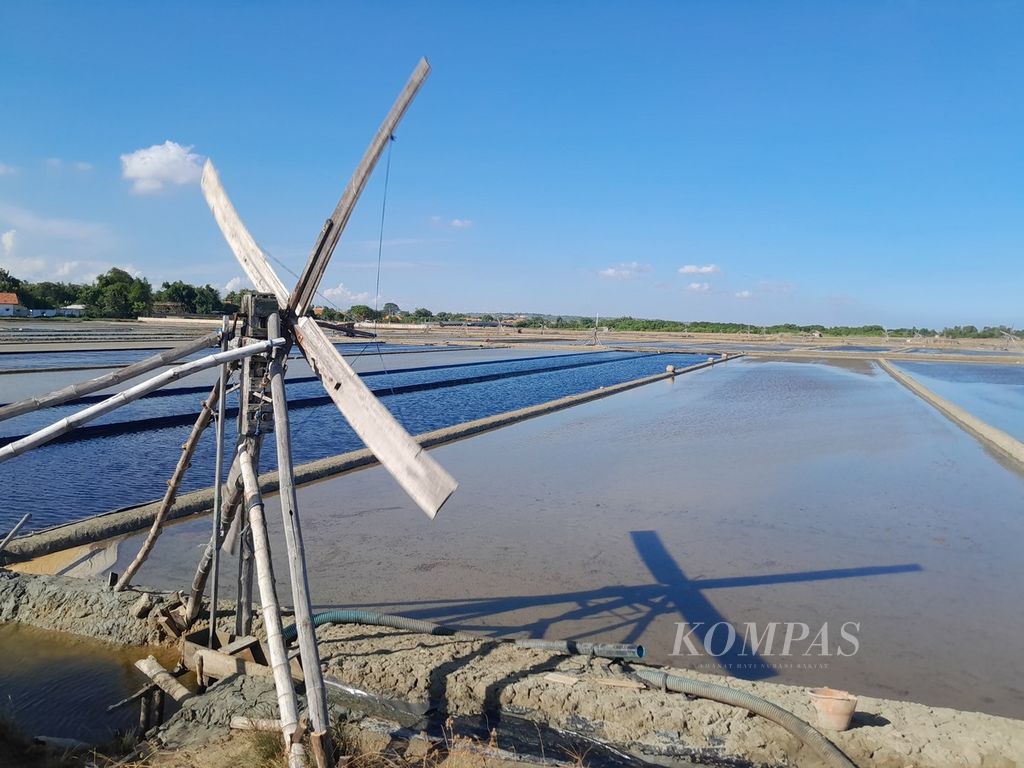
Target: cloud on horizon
[743, 294]
[152, 168]
[698, 287]
[342, 294]
[694, 269]
[625, 270]
[461, 223]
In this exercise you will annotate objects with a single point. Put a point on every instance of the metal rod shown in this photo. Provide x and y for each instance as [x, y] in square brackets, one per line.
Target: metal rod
[65, 425]
[218, 472]
[17, 527]
[108, 379]
[316, 694]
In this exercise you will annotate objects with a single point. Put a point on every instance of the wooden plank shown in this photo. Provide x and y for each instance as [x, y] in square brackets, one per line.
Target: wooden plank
[253, 260]
[151, 668]
[301, 299]
[416, 471]
[107, 380]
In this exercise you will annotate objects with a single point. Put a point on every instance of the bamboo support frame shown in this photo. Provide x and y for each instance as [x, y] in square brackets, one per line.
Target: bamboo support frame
[316, 694]
[59, 396]
[286, 700]
[67, 424]
[218, 473]
[188, 449]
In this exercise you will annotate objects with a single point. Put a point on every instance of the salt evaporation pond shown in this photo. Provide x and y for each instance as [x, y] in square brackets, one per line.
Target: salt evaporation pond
[753, 492]
[61, 482]
[993, 393]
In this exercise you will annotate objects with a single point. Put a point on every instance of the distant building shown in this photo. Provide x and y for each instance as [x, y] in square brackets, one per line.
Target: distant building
[73, 310]
[48, 312]
[10, 306]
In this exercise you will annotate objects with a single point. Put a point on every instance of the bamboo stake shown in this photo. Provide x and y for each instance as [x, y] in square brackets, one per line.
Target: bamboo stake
[65, 425]
[316, 694]
[109, 379]
[286, 701]
[188, 449]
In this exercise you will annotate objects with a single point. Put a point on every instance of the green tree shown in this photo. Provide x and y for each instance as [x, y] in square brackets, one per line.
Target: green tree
[361, 312]
[391, 308]
[117, 294]
[8, 282]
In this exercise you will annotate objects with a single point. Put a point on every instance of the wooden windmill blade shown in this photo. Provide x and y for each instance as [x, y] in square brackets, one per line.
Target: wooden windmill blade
[301, 298]
[416, 471]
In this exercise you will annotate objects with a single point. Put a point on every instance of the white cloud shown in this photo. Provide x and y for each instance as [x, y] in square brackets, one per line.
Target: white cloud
[236, 284]
[461, 223]
[776, 286]
[699, 287]
[85, 270]
[7, 241]
[85, 233]
[694, 269]
[625, 270]
[54, 163]
[7, 170]
[343, 294]
[743, 294]
[151, 168]
[81, 165]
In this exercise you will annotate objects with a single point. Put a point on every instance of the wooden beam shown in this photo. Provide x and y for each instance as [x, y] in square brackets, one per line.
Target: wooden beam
[302, 296]
[108, 380]
[188, 449]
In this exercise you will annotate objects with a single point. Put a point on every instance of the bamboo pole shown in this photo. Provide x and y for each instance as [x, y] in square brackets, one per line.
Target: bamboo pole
[109, 379]
[151, 668]
[286, 701]
[316, 694]
[188, 449]
[218, 473]
[17, 527]
[65, 425]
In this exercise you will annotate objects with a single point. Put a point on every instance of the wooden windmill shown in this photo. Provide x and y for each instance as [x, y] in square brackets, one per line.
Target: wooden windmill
[272, 320]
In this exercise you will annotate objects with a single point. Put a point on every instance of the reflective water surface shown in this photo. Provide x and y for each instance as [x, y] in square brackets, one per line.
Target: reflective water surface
[755, 493]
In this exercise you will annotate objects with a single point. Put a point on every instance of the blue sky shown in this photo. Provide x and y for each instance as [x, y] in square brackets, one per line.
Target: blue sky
[834, 162]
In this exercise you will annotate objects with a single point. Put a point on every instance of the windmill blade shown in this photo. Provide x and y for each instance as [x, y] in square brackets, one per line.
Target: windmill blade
[302, 297]
[250, 256]
[423, 479]
[420, 476]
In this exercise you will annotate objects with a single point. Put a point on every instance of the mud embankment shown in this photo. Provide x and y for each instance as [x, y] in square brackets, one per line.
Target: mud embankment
[456, 676]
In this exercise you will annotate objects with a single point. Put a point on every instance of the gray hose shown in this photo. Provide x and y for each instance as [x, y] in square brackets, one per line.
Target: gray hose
[373, 618]
[828, 751]
[824, 748]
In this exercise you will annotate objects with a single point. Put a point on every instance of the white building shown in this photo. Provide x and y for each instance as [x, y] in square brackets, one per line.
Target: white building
[10, 307]
[73, 310]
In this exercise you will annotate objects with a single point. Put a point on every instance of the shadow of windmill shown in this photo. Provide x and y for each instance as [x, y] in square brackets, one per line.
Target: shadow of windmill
[631, 609]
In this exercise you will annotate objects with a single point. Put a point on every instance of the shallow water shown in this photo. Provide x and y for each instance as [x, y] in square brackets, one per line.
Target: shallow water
[54, 684]
[805, 494]
[993, 393]
[68, 481]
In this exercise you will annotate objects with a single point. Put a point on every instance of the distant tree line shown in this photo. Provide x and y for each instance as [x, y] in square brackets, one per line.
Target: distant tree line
[118, 294]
